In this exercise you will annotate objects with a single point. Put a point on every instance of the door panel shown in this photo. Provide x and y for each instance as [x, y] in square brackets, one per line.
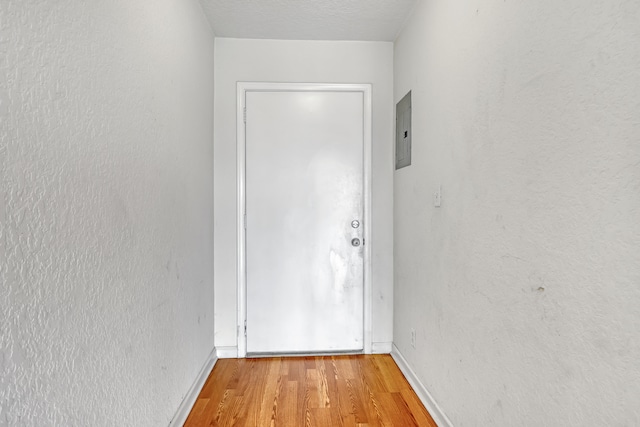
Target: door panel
[304, 187]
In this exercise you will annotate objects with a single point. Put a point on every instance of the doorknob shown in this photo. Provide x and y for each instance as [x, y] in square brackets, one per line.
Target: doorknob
[355, 242]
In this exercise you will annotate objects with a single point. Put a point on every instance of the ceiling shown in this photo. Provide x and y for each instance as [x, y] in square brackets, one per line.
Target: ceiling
[370, 20]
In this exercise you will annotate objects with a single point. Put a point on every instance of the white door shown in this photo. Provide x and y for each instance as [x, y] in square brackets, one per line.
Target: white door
[304, 221]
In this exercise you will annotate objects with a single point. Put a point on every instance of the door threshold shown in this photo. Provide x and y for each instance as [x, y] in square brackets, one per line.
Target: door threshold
[258, 355]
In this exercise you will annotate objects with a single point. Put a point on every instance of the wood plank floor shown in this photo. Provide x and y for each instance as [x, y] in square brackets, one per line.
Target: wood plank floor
[334, 391]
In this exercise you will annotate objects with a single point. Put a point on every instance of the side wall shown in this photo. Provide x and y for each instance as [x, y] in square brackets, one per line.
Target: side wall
[106, 143]
[308, 62]
[524, 286]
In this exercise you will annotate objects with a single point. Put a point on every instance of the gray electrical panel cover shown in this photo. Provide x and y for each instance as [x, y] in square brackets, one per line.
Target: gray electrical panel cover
[403, 132]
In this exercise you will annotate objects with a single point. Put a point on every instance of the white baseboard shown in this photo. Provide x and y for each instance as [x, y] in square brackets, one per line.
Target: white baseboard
[381, 347]
[192, 395]
[423, 394]
[230, 352]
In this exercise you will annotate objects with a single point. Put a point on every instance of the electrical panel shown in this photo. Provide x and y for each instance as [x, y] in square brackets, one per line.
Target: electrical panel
[403, 132]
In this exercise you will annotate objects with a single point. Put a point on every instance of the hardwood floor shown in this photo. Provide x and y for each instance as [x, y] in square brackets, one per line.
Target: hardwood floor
[360, 390]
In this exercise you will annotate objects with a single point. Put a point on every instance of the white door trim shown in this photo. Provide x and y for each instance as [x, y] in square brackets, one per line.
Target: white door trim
[242, 89]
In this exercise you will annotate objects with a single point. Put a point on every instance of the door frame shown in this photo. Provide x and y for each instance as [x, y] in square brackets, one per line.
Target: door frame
[242, 89]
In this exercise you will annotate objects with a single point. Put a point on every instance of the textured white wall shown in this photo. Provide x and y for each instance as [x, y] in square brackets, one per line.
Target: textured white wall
[302, 61]
[524, 287]
[106, 294]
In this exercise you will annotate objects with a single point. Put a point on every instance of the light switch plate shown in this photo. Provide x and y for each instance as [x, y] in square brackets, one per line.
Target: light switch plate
[437, 197]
